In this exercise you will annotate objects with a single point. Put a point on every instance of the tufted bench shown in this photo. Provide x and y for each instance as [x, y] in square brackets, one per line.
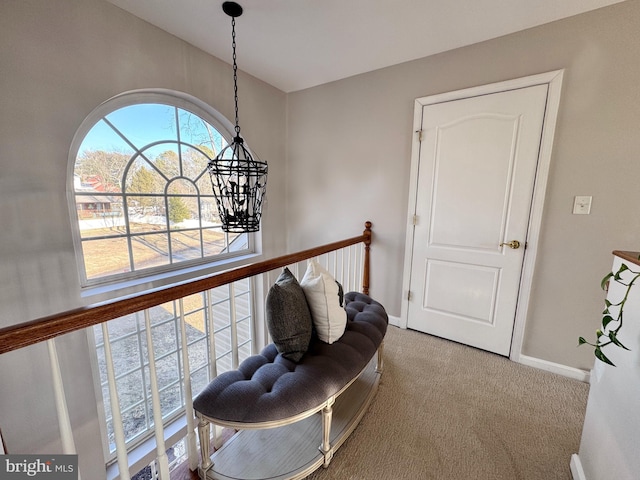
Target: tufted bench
[269, 390]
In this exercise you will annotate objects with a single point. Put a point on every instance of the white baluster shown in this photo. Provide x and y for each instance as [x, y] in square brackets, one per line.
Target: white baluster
[118, 430]
[163, 462]
[234, 327]
[192, 450]
[64, 423]
[213, 367]
[213, 364]
[342, 276]
[360, 269]
[350, 268]
[296, 270]
[361, 273]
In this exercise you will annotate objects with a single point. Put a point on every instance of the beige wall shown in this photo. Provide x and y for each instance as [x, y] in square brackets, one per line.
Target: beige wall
[60, 59]
[349, 150]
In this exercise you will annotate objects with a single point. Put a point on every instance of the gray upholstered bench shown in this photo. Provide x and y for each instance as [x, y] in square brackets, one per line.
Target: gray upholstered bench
[269, 391]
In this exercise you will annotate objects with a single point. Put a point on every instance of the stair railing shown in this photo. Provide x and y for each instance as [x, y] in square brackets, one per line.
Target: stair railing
[341, 258]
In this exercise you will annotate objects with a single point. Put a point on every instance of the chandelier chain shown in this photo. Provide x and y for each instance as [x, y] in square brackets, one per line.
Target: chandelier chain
[235, 73]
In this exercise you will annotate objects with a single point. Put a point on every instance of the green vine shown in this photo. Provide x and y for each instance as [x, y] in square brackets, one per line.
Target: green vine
[611, 325]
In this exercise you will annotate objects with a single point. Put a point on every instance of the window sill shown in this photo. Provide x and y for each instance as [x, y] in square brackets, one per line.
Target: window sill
[160, 280]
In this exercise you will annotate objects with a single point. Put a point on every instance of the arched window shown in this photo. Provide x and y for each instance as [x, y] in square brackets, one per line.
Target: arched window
[142, 193]
[142, 206]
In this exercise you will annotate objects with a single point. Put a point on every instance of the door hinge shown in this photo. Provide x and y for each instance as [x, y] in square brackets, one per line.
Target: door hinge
[414, 220]
[409, 295]
[419, 132]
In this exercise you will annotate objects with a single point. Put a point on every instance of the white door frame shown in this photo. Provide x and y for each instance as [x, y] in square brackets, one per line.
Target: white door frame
[554, 81]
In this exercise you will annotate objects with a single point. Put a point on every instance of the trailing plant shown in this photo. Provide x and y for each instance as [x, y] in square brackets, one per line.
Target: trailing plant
[611, 322]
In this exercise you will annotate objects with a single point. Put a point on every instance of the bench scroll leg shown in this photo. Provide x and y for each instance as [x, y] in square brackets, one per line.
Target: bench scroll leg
[325, 448]
[204, 433]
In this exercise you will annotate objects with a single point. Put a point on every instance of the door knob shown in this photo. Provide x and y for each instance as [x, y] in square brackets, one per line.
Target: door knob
[515, 244]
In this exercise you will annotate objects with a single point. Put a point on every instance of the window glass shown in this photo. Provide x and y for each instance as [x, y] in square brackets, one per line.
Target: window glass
[143, 195]
[206, 315]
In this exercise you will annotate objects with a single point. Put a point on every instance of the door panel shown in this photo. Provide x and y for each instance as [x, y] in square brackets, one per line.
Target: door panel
[470, 197]
[456, 289]
[476, 176]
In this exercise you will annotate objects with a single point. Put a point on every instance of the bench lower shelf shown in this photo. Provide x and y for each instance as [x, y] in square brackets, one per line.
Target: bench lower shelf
[293, 451]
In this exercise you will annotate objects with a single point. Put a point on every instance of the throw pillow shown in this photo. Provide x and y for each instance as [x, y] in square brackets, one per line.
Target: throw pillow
[340, 294]
[288, 317]
[323, 297]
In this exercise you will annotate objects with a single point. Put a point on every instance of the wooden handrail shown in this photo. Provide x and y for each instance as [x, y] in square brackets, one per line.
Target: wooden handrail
[36, 331]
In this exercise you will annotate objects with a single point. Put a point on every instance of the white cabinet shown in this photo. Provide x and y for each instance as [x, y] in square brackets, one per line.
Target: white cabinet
[610, 445]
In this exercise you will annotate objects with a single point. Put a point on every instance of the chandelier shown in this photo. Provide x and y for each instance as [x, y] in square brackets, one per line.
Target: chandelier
[239, 182]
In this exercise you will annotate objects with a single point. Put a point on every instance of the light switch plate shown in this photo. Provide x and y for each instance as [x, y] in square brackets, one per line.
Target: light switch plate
[582, 205]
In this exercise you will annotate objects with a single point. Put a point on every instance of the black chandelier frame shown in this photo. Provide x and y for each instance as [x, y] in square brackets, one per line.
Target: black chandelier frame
[238, 180]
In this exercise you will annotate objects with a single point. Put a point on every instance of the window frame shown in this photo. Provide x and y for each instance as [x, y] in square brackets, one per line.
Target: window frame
[133, 281]
[117, 286]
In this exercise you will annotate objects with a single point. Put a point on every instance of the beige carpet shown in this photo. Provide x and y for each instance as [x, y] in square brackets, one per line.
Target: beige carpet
[449, 412]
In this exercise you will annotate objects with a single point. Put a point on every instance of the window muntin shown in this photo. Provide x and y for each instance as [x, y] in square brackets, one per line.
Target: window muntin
[142, 194]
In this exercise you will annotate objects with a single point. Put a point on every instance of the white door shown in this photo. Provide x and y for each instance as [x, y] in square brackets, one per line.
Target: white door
[477, 169]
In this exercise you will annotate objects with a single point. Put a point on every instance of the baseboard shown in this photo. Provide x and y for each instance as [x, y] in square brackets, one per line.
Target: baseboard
[577, 472]
[563, 370]
[395, 321]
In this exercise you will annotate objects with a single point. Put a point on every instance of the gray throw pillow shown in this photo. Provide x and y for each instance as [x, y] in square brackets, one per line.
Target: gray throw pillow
[288, 317]
[340, 294]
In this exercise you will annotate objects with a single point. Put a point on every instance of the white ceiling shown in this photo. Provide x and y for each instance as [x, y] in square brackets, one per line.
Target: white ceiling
[296, 44]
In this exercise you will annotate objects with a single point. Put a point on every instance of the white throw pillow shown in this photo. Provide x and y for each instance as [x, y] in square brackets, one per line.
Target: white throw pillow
[322, 292]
